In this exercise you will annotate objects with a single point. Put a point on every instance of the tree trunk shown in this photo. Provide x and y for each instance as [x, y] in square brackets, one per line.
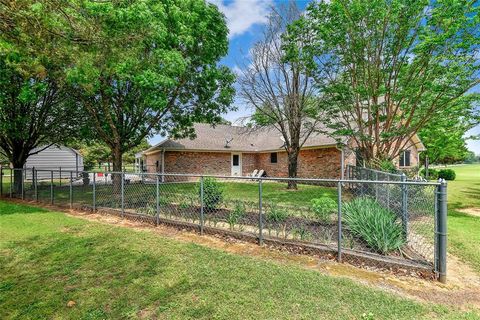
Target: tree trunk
[117, 168]
[292, 169]
[17, 181]
[18, 163]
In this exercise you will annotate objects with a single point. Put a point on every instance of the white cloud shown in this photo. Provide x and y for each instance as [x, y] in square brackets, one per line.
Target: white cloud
[243, 14]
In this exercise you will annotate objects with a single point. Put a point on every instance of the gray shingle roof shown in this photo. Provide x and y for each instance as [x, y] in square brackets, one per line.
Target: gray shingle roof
[243, 139]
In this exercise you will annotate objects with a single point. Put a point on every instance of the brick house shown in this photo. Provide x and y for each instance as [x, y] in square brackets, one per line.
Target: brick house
[233, 150]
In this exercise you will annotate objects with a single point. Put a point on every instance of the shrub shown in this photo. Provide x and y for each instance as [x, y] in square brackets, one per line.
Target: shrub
[376, 225]
[212, 193]
[447, 174]
[236, 214]
[432, 174]
[277, 214]
[388, 166]
[324, 207]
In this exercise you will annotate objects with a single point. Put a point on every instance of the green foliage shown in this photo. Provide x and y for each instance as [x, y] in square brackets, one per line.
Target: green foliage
[471, 158]
[388, 166]
[212, 193]
[236, 214]
[302, 234]
[447, 174]
[376, 225]
[276, 214]
[377, 50]
[445, 139]
[432, 174]
[164, 80]
[324, 207]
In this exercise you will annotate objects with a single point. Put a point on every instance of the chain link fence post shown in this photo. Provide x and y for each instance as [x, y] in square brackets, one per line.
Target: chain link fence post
[442, 231]
[122, 191]
[22, 172]
[11, 183]
[94, 194]
[71, 190]
[388, 192]
[1, 181]
[404, 204]
[202, 206]
[260, 212]
[157, 215]
[339, 237]
[51, 188]
[35, 181]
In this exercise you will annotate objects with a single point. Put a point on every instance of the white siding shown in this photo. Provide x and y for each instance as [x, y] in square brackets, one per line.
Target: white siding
[55, 158]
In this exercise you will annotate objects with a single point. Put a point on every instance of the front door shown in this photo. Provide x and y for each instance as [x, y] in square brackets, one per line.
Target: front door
[236, 164]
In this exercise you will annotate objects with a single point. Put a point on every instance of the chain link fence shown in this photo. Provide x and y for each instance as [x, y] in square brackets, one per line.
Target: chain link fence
[394, 223]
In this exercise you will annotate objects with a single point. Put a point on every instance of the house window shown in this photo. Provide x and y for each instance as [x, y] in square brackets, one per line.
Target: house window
[404, 159]
[273, 157]
[236, 160]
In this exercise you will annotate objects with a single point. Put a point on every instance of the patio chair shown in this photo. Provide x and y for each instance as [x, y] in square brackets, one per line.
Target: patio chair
[260, 173]
[254, 173]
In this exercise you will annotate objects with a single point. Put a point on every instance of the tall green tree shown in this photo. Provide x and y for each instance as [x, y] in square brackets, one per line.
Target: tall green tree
[150, 67]
[35, 110]
[386, 68]
[446, 138]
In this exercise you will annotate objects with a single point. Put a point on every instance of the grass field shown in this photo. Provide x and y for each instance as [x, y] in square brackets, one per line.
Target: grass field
[463, 229]
[49, 259]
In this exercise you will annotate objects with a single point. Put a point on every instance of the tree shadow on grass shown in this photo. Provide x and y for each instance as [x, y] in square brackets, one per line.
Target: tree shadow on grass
[13, 208]
[468, 196]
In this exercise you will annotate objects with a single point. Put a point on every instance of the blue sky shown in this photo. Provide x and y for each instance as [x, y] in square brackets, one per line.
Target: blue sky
[245, 19]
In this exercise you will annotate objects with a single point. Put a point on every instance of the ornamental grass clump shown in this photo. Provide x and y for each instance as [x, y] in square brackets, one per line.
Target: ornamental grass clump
[377, 226]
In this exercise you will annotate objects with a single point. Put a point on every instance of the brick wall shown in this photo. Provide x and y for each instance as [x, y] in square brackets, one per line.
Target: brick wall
[314, 163]
[323, 163]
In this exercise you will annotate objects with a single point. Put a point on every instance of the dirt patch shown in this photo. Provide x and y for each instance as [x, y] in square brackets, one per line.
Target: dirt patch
[475, 212]
[462, 289]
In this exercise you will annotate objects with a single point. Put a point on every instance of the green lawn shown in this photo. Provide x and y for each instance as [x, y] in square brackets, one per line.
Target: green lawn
[464, 191]
[48, 259]
[464, 230]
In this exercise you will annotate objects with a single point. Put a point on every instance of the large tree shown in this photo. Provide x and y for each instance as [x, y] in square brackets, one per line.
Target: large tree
[386, 68]
[150, 66]
[35, 111]
[279, 91]
[446, 138]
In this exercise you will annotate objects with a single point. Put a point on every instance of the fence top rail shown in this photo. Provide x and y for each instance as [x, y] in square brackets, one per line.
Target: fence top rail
[350, 181]
[375, 171]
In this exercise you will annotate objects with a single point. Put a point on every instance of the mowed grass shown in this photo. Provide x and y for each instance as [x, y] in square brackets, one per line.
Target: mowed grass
[463, 229]
[464, 191]
[49, 259]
